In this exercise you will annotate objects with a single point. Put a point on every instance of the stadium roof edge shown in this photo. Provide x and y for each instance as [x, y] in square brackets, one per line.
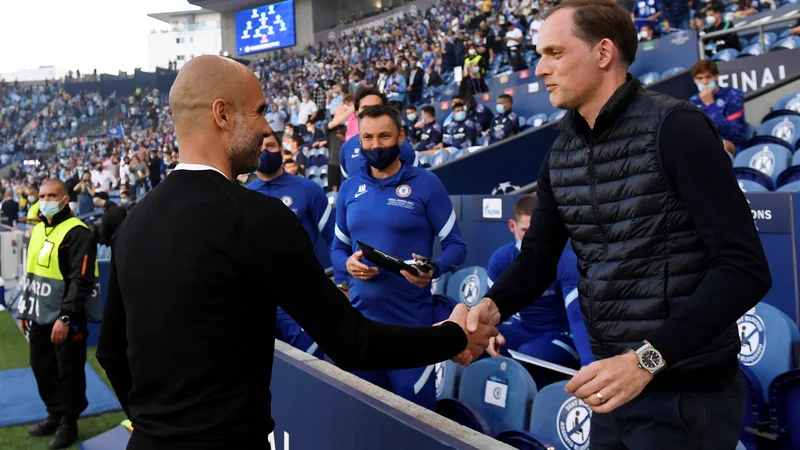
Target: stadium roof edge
[165, 16]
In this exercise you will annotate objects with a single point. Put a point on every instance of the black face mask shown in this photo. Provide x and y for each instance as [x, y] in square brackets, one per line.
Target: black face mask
[380, 157]
[270, 162]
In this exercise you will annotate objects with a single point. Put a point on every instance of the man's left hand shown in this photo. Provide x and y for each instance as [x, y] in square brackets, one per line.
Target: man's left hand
[59, 334]
[618, 380]
[421, 280]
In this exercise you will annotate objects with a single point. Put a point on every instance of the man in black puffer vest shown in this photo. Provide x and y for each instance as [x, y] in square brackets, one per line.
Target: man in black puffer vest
[668, 254]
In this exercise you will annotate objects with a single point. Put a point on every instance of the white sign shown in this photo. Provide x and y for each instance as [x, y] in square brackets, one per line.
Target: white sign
[492, 208]
[495, 393]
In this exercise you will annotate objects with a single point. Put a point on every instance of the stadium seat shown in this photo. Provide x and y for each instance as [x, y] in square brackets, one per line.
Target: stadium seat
[560, 418]
[650, 78]
[784, 403]
[556, 115]
[439, 157]
[448, 375]
[767, 342]
[671, 72]
[523, 440]
[751, 186]
[790, 175]
[501, 390]
[770, 159]
[790, 187]
[752, 175]
[791, 102]
[468, 285]
[770, 39]
[787, 43]
[439, 285]
[727, 54]
[457, 153]
[323, 171]
[331, 197]
[756, 411]
[312, 172]
[424, 160]
[522, 121]
[463, 414]
[537, 120]
[751, 50]
[784, 127]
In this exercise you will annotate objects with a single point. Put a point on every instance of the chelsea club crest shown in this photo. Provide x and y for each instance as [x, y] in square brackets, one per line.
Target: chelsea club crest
[286, 200]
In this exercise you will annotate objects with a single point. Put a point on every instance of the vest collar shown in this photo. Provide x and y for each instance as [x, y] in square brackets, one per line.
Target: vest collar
[575, 125]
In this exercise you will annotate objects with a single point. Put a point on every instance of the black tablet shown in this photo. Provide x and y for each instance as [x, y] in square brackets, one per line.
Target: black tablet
[385, 261]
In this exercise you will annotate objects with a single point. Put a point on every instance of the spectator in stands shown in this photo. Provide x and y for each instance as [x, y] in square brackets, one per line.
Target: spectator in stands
[292, 151]
[367, 211]
[462, 133]
[430, 132]
[306, 110]
[647, 9]
[506, 123]
[409, 125]
[140, 170]
[102, 178]
[86, 192]
[314, 136]
[414, 81]
[473, 83]
[154, 167]
[126, 200]
[276, 118]
[748, 8]
[10, 208]
[333, 101]
[647, 33]
[66, 251]
[676, 13]
[668, 254]
[71, 180]
[396, 88]
[542, 329]
[112, 218]
[290, 166]
[535, 25]
[351, 160]
[715, 22]
[431, 78]
[724, 106]
[514, 45]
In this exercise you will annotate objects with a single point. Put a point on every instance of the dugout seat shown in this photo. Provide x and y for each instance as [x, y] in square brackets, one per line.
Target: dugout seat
[448, 375]
[785, 409]
[468, 285]
[769, 159]
[649, 78]
[560, 418]
[673, 71]
[752, 50]
[323, 171]
[537, 120]
[556, 115]
[439, 157]
[312, 172]
[501, 390]
[791, 102]
[424, 160]
[751, 186]
[728, 54]
[523, 440]
[787, 43]
[439, 285]
[767, 339]
[463, 414]
[756, 415]
[785, 127]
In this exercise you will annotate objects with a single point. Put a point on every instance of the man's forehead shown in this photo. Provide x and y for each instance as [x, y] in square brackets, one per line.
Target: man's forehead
[376, 124]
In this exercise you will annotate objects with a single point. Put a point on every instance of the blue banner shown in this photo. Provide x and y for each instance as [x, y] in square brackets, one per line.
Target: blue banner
[755, 72]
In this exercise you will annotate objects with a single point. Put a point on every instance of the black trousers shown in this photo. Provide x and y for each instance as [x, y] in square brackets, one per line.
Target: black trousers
[709, 420]
[59, 369]
[140, 441]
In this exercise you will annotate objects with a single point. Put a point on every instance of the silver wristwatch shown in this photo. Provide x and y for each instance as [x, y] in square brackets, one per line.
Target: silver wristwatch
[650, 359]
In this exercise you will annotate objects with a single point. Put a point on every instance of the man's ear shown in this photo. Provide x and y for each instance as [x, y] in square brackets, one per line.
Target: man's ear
[606, 52]
[223, 114]
[401, 136]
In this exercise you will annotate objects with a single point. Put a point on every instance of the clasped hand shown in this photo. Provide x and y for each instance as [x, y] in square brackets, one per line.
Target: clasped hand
[477, 339]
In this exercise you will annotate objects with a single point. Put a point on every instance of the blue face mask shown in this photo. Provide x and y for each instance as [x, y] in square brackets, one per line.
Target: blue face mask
[381, 158]
[270, 162]
[49, 208]
[411, 117]
[712, 86]
[460, 116]
[501, 109]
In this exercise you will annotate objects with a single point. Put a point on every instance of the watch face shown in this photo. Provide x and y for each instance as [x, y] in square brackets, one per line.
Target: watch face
[651, 359]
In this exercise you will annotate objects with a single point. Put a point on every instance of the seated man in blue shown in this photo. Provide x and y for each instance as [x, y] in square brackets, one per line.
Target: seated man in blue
[351, 160]
[409, 125]
[461, 133]
[506, 123]
[724, 106]
[308, 201]
[542, 330]
[432, 132]
[400, 210]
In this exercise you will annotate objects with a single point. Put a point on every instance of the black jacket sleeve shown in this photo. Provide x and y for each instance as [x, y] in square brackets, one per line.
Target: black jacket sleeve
[77, 256]
[112, 345]
[351, 340]
[111, 220]
[536, 267]
[692, 158]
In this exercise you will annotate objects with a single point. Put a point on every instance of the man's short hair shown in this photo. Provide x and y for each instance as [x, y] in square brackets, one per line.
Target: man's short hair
[366, 92]
[705, 66]
[595, 20]
[297, 139]
[289, 161]
[410, 107]
[524, 207]
[309, 121]
[716, 6]
[376, 111]
[506, 97]
[428, 109]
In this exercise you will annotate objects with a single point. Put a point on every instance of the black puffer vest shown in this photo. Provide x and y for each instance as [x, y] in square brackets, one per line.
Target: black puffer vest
[639, 254]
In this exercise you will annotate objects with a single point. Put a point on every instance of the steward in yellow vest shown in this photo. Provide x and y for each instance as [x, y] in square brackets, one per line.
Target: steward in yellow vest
[60, 294]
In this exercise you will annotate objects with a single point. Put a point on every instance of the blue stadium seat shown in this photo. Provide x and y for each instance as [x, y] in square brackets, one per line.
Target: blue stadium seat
[785, 33]
[556, 115]
[770, 39]
[751, 50]
[766, 343]
[787, 43]
[439, 285]
[331, 197]
[523, 440]
[650, 78]
[756, 411]
[784, 127]
[463, 414]
[746, 174]
[672, 71]
[501, 390]
[770, 159]
[312, 172]
[791, 102]
[727, 54]
[561, 418]
[751, 186]
[537, 120]
[790, 175]
[424, 160]
[439, 157]
[784, 400]
[468, 285]
[448, 375]
[323, 171]
[522, 121]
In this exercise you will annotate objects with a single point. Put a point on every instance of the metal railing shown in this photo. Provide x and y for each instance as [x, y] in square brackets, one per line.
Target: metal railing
[760, 25]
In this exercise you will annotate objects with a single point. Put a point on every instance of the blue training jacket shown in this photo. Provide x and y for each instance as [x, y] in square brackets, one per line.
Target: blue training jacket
[399, 215]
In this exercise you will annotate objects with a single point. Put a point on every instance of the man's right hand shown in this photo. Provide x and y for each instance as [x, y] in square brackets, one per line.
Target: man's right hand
[477, 340]
[485, 313]
[25, 326]
[493, 349]
[358, 269]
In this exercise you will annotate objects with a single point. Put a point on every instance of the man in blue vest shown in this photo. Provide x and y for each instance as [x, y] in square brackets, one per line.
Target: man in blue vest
[506, 123]
[308, 201]
[462, 132]
[350, 157]
[432, 132]
[59, 297]
[398, 209]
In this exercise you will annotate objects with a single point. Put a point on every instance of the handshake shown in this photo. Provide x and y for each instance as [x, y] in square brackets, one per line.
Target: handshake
[479, 325]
